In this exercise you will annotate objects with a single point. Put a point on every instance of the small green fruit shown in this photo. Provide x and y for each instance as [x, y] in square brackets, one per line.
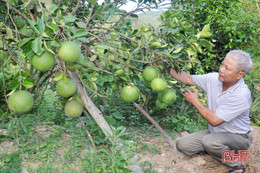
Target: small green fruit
[70, 66]
[20, 22]
[114, 86]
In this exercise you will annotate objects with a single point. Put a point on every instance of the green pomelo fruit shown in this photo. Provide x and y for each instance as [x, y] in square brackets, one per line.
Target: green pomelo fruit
[129, 93]
[21, 101]
[158, 84]
[114, 86]
[160, 105]
[70, 66]
[168, 97]
[69, 52]
[73, 108]
[44, 62]
[66, 89]
[26, 31]
[150, 73]
[19, 22]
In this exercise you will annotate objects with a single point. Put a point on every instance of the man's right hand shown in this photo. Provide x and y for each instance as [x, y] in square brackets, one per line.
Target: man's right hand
[182, 77]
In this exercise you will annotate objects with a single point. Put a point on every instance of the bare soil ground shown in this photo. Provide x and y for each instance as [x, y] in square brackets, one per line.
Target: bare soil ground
[167, 160]
[171, 161]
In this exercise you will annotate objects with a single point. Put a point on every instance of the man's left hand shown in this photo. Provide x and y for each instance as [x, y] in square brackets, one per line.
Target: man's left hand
[190, 97]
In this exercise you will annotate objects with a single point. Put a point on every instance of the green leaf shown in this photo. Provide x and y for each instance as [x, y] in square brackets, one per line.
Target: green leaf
[9, 32]
[53, 27]
[81, 24]
[37, 46]
[25, 74]
[69, 19]
[101, 48]
[28, 83]
[83, 39]
[134, 15]
[58, 77]
[93, 57]
[14, 84]
[81, 33]
[178, 50]
[53, 8]
[111, 120]
[117, 115]
[41, 25]
[24, 41]
[55, 43]
[32, 23]
[206, 28]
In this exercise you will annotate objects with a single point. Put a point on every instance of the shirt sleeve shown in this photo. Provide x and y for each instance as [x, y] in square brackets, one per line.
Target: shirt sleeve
[233, 107]
[202, 81]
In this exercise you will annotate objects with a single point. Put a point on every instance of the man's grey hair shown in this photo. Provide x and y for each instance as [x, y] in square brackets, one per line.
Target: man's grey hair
[244, 61]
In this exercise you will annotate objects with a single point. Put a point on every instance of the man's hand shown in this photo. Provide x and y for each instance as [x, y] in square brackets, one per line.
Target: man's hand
[191, 97]
[209, 115]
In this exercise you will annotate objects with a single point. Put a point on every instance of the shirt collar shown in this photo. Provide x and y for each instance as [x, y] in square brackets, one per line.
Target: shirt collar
[232, 88]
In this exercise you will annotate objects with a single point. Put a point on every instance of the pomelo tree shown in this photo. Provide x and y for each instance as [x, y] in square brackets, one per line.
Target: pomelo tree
[113, 52]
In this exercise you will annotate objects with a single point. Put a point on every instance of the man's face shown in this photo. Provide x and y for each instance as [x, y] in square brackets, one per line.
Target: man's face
[228, 72]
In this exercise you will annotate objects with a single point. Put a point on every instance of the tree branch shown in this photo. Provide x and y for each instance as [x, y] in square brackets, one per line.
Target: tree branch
[36, 81]
[168, 138]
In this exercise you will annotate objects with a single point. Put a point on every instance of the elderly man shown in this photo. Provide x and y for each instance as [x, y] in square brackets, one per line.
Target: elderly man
[229, 100]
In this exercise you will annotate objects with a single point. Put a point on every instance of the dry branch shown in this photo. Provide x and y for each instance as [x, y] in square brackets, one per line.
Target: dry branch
[167, 137]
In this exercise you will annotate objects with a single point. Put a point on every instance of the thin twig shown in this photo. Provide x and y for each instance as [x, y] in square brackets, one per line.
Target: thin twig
[76, 8]
[28, 9]
[12, 57]
[39, 87]
[89, 135]
[90, 14]
[2, 66]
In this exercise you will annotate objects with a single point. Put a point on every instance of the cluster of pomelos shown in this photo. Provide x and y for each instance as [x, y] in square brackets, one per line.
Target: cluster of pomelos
[23, 101]
[152, 79]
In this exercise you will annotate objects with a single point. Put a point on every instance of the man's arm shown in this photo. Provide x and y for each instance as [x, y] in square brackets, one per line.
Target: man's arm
[182, 76]
[209, 115]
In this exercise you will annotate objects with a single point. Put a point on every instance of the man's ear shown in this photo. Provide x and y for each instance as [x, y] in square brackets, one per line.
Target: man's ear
[240, 74]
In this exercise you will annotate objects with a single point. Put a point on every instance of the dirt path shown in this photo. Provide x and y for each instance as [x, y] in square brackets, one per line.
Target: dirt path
[171, 161]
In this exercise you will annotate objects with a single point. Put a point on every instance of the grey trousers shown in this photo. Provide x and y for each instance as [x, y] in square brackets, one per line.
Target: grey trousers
[214, 144]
